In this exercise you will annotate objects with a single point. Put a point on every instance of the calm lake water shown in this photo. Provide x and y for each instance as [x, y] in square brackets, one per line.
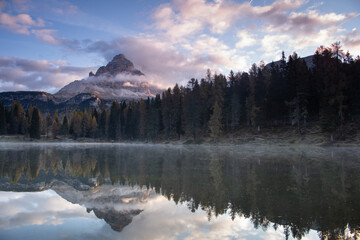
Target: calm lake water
[118, 191]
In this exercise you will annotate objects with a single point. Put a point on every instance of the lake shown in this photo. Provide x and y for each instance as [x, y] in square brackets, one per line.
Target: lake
[134, 191]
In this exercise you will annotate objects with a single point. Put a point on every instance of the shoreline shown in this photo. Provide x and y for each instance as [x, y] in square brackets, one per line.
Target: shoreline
[274, 141]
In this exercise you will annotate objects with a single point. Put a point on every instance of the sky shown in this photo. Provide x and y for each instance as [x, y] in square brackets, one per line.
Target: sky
[45, 45]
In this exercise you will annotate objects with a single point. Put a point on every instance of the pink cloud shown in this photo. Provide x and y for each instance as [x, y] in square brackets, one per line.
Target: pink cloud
[46, 35]
[19, 23]
[28, 74]
[65, 8]
[21, 5]
[351, 40]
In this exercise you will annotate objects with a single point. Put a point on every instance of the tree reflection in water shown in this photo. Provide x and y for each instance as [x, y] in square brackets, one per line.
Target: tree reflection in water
[300, 189]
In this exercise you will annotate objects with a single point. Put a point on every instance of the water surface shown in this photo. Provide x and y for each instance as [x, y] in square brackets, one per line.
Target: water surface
[119, 191]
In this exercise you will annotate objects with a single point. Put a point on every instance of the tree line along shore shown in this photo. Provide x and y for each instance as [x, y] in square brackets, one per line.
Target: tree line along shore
[285, 99]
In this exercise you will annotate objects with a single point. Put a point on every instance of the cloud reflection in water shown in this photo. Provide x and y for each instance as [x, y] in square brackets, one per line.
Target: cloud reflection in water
[46, 214]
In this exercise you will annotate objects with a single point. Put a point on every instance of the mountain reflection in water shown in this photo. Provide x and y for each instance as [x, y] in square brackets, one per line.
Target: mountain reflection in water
[297, 189]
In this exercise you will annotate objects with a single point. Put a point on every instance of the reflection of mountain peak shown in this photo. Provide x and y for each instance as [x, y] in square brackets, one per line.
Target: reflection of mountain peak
[116, 204]
[116, 219]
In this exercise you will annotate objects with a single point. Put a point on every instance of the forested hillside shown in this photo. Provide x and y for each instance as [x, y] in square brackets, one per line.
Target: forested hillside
[286, 93]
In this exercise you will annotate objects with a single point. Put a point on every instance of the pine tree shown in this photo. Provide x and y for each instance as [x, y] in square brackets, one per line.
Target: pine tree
[93, 127]
[234, 104]
[64, 130]
[215, 122]
[142, 120]
[86, 123]
[103, 124]
[192, 106]
[3, 123]
[17, 119]
[244, 89]
[298, 72]
[167, 112]
[35, 124]
[55, 128]
[46, 124]
[177, 108]
[251, 107]
[114, 126]
[75, 125]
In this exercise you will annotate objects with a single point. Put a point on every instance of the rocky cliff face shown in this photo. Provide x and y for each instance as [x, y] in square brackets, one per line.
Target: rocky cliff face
[119, 64]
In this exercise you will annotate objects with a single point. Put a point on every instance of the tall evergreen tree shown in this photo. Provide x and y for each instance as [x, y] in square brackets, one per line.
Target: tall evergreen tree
[93, 127]
[3, 123]
[142, 119]
[252, 109]
[46, 124]
[215, 122]
[114, 126]
[55, 128]
[35, 126]
[167, 112]
[17, 122]
[298, 72]
[192, 103]
[64, 130]
[177, 108]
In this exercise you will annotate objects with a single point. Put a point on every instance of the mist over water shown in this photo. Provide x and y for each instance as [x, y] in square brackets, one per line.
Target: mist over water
[133, 191]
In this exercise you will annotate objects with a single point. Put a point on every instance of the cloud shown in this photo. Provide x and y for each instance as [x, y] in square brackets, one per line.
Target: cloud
[47, 35]
[270, 45]
[352, 40]
[188, 36]
[24, 209]
[2, 5]
[246, 39]
[40, 75]
[193, 16]
[159, 60]
[21, 5]
[189, 19]
[303, 24]
[64, 7]
[183, 18]
[163, 63]
[20, 23]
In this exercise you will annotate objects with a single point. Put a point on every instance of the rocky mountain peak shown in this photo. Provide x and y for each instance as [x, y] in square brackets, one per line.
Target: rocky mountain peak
[119, 64]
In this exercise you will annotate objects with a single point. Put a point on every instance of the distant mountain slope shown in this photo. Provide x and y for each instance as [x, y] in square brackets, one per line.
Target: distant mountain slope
[47, 102]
